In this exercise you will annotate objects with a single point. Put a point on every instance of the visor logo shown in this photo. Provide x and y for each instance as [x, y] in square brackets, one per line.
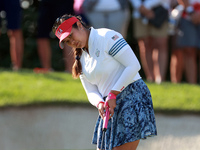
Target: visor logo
[59, 32]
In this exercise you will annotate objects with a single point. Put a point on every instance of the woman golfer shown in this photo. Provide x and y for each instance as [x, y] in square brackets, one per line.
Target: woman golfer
[108, 70]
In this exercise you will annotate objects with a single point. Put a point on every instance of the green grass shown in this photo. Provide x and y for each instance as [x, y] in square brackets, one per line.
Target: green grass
[169, 97]
[26, 88]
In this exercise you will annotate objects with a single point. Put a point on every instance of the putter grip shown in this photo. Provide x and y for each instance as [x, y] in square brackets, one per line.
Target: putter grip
[106, 118]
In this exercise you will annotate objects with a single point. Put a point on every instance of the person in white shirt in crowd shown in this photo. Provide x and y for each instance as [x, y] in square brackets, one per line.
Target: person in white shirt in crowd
[151, 31]
[111, 14]
[108, 70]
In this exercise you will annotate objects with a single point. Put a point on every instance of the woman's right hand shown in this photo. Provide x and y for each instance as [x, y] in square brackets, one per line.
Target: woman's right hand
[101, 109]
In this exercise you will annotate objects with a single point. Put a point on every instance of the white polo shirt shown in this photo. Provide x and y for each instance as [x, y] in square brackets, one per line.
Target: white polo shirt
[110, 65]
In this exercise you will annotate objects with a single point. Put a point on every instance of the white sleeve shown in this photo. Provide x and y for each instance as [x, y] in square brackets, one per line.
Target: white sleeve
[92, 91]
[136, 3]
[120, 50]
[128, 59]
[149, 4]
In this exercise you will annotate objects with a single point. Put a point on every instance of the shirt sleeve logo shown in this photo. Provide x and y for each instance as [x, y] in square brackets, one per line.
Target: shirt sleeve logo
[115, 37]
[59, 32]
[121, 88]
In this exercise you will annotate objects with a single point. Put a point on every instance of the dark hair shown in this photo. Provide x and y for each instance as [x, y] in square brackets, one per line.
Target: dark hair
[77, 67]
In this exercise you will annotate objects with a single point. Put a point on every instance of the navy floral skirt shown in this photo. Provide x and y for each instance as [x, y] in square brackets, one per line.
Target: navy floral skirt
[133, 118]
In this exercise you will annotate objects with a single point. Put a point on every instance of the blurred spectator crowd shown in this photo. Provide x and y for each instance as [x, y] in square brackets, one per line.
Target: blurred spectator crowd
[167, 33]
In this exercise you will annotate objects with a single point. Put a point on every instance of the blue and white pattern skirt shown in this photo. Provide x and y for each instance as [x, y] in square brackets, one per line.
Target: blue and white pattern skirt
[133, 118]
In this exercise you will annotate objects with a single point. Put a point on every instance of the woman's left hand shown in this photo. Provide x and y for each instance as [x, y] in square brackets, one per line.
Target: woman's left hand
[112, 105]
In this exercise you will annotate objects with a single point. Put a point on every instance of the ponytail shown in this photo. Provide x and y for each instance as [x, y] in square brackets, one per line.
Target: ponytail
[77, 67]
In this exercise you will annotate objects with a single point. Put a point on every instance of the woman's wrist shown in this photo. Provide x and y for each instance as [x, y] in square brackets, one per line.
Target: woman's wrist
[111, 96]
[115, 92]
[99, 103]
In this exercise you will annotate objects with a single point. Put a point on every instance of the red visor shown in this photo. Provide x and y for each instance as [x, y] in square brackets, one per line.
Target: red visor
[64, 30]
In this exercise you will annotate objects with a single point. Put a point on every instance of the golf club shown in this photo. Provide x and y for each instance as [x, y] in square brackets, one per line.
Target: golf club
[105, 123]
